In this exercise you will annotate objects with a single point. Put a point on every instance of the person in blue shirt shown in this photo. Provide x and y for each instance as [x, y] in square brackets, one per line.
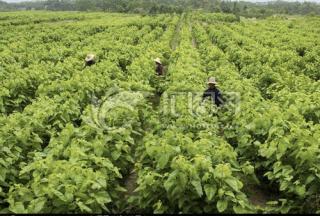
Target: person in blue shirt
[213, 92]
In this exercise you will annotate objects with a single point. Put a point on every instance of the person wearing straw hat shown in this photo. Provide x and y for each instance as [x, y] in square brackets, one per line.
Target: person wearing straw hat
[159, 67]
[213, 92]
[90, 59]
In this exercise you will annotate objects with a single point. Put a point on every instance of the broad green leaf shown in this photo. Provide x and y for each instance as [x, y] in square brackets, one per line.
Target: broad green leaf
[310, 179]
[300, 190]
[36, 205]
[222, 171]
[168, 184]
[171, 180]
[222, 205]
[159, 208]
[163, 160]
[239, 210]
[210, 191]
[83, 207]
[248, 169]
[197, 185]
[59, 194]
[18, 208]
[232, 183]
[230, 193]
[284, 185]
[221, 192]
[120, 189]
[115, 155]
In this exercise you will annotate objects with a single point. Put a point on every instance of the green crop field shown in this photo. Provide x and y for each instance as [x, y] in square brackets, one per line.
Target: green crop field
[116, 138]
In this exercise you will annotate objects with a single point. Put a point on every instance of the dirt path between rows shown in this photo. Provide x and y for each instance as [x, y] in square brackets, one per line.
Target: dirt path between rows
[130, 181]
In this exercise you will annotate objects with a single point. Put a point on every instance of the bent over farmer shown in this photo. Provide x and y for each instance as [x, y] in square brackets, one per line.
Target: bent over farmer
[90, 60]
[213, 92]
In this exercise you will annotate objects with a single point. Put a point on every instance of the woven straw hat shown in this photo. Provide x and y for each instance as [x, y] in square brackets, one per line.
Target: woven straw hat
[90, 57]
[158, 60]
[212, 80]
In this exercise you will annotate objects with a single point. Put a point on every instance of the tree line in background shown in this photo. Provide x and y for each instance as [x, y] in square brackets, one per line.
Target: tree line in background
[246, 9]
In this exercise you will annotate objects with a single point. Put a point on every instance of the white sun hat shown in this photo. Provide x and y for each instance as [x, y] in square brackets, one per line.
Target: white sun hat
[158, 60]
[212, 80]
[90, 57]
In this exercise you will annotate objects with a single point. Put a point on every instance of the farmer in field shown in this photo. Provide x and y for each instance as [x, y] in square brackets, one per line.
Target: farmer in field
[213, 92]
[90, 60]
[159, 67]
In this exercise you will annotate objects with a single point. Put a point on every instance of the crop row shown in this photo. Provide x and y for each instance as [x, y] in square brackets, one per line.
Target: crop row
[276, 139]
[60, 137]
[184, 166]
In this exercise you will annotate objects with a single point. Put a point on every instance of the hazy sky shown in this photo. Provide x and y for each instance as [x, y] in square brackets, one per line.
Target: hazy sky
[244, 0]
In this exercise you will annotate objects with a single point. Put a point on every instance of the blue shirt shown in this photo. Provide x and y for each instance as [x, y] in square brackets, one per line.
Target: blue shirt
[214, 94]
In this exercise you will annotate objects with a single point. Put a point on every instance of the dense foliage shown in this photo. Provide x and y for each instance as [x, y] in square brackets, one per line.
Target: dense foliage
[243, 8]
[73, 138]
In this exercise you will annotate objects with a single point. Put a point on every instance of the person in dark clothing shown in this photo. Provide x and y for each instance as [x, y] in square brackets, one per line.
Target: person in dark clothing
[159, 67]
[90, 60]
[213, 92]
